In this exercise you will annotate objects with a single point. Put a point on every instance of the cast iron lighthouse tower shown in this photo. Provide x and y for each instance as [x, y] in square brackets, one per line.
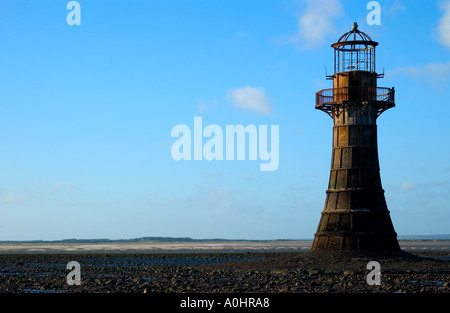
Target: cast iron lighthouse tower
[355, 216]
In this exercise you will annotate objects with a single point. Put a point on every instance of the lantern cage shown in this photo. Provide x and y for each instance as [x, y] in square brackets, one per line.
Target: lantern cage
[354, 51]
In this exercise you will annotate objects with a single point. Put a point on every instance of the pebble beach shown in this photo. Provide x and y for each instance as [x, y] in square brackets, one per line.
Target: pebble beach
[224, 272]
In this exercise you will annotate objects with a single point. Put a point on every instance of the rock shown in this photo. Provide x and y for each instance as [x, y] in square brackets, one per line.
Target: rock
[313, 271]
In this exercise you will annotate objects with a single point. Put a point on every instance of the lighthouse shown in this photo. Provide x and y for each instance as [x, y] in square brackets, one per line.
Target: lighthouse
[355, 216]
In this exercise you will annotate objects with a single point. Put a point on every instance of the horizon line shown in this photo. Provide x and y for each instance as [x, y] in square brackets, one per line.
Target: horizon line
[189, 239]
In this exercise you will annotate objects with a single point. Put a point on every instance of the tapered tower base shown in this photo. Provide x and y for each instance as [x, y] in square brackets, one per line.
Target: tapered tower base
[355, 216]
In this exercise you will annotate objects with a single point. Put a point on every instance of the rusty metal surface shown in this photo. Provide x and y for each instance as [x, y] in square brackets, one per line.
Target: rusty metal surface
[354, 93]
[355, 215]
[328, 99]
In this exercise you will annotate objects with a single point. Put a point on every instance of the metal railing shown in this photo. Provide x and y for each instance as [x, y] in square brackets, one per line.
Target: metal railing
[355, 93]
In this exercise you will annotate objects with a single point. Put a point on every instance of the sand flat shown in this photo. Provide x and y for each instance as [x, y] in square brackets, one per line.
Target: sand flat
[157, 247]
[238, 246]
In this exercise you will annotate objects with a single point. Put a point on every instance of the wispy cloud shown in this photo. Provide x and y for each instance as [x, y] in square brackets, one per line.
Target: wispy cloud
[435, 72]
[315, 22]
[203, 105]
[444, 24]
[251, 98]
[396, 7]
[299, 131]
[213, 175]
[13, 198]
[432, 188]
[240, 38]
[406, 186]
[211, 201]
[68, 187]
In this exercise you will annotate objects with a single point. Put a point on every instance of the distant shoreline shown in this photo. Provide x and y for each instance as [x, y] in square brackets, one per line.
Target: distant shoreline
[191, 240]
[143, 240]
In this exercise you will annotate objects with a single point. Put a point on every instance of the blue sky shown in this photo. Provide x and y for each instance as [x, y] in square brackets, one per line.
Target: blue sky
[86, 113]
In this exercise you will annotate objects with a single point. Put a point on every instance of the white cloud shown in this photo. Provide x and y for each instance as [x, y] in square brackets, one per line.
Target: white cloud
[251, 98]
[444, 24]
[315, 22]
[432, 71]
